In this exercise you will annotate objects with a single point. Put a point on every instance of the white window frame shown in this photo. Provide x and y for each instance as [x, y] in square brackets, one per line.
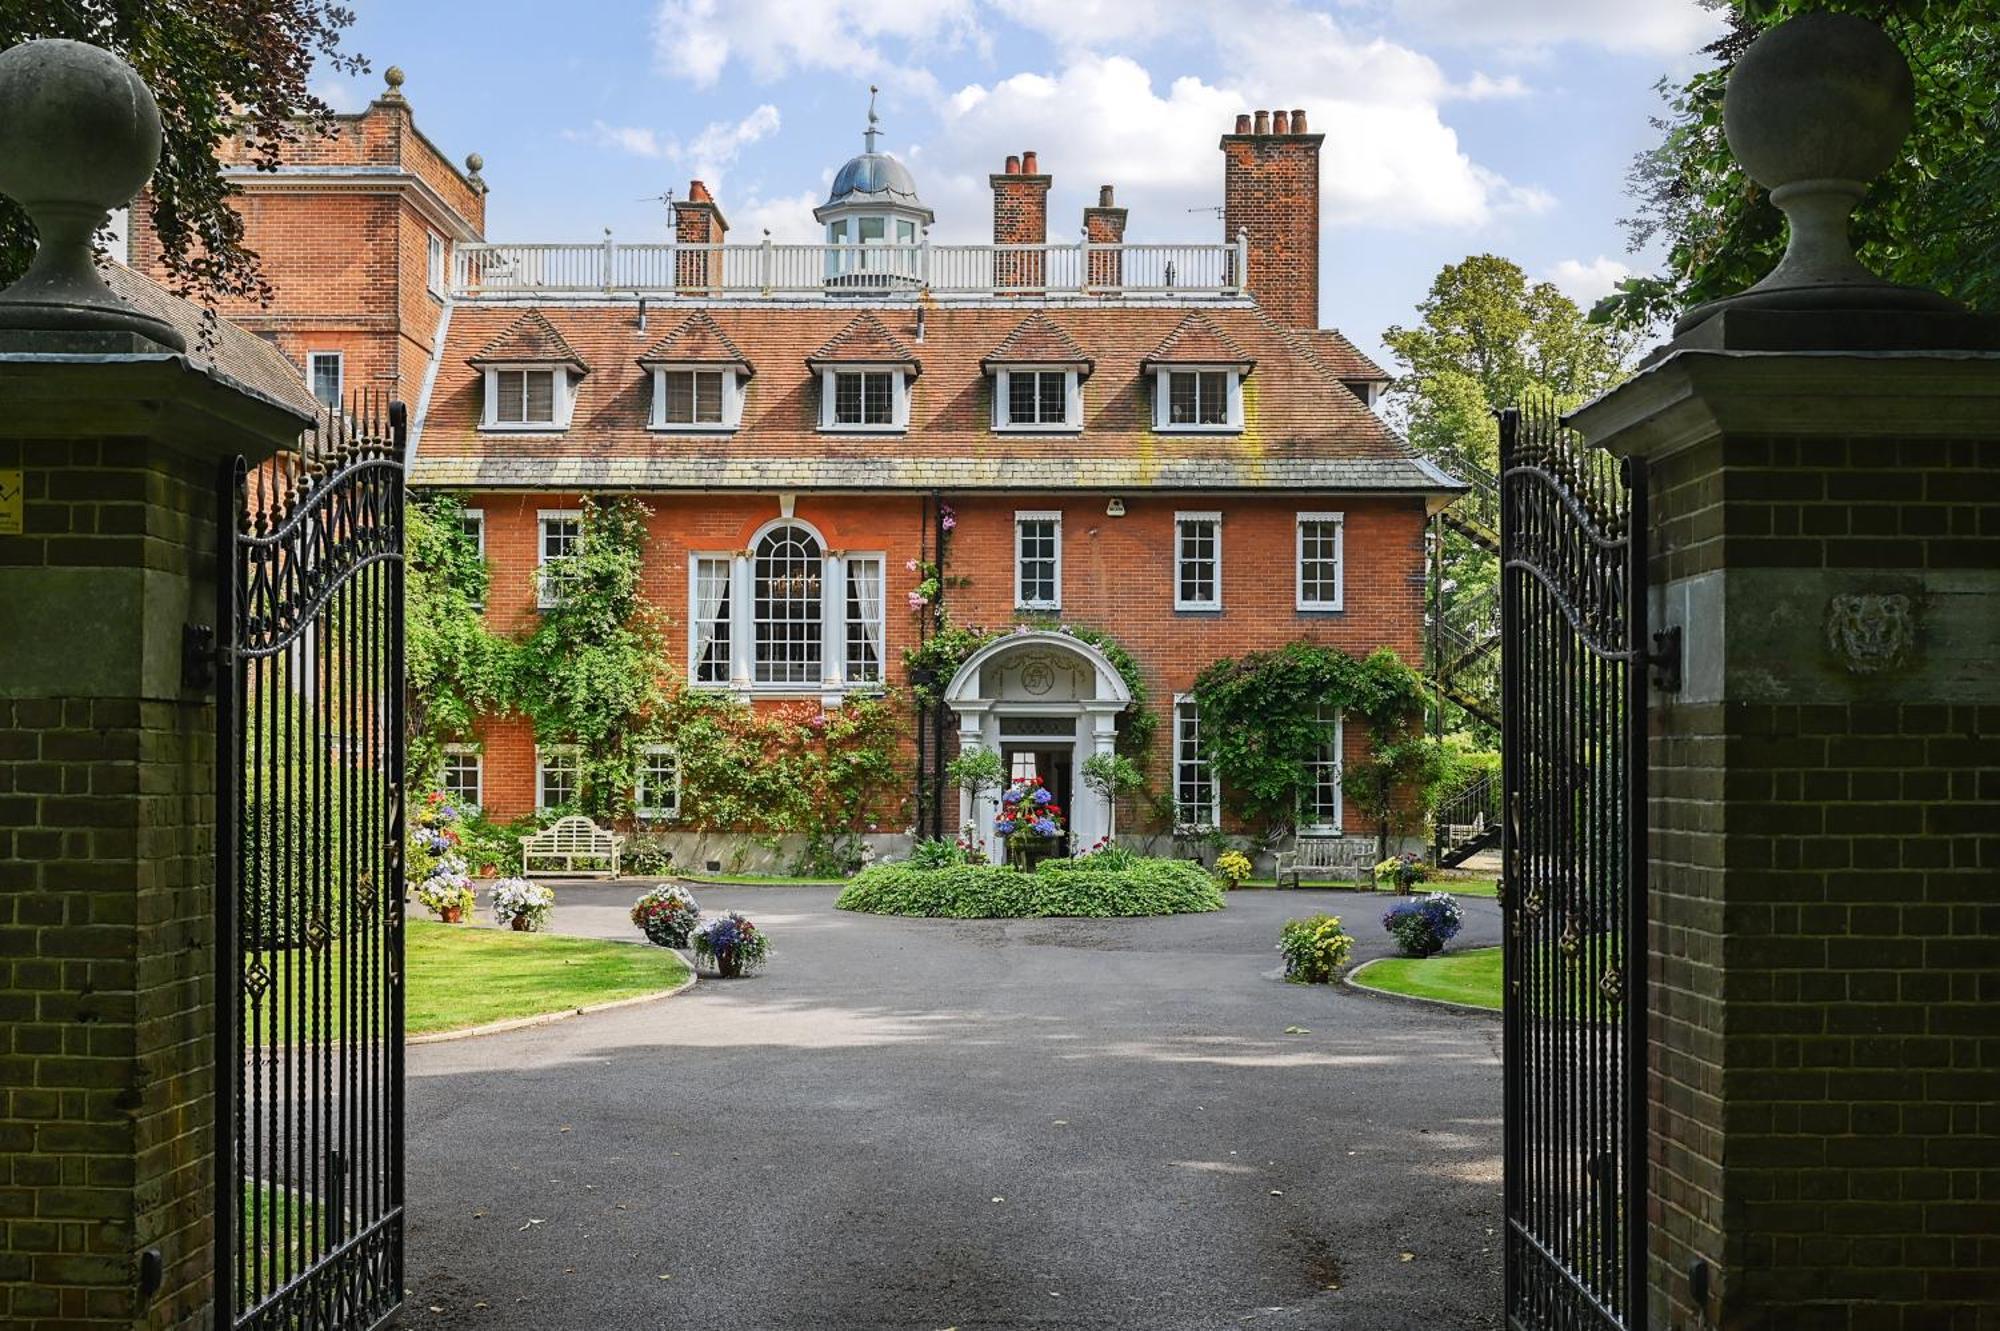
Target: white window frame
[657, 812]
[543, 753]
[1072, 421]
[1339, 521]
[339, 359]
[545, 597]
[1187, 700]
[478, 771]
[726, 558]
[732, 399]
[827, 634]
[475, 517]
[435, 265]
[1337, 826]
[1214, 519]
[1021, 518]
[880, 559]
[1163, 399]
[899, 399]
[562, 405]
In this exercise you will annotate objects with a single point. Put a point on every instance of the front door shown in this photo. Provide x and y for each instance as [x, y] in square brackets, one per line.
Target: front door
[1049, 762]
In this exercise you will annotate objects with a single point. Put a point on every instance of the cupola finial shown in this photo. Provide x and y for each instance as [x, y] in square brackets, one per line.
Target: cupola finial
[872, 133]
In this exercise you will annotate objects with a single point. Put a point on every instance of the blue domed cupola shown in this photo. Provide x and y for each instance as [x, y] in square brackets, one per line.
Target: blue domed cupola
[874, 199]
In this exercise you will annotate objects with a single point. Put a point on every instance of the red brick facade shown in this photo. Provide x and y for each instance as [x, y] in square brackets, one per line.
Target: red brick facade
[344, 231]
[349, 269]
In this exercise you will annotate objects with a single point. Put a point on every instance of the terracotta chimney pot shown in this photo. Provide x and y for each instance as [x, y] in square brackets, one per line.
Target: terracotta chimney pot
[1263, 123]
[1281, 122]
[1029, 166]
[1298, 121]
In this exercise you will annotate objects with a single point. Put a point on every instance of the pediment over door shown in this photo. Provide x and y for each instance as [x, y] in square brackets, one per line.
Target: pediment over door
[1038, 672]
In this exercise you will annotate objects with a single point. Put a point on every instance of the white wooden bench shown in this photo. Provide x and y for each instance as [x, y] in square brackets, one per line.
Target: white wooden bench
[559, 848]
[1322, 857]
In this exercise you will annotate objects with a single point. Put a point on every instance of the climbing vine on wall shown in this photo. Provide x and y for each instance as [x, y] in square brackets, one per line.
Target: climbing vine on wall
[455, 667]
[590, 672]
[1262, 724]
[800, 768]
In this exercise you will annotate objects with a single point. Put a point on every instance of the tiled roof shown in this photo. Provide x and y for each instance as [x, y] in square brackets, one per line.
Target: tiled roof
[697, 340]
[215, 343]
[1038, 340]
[1301, 429]
[1344, 359]
[863, 341]
[532, 339]
[1196, 341]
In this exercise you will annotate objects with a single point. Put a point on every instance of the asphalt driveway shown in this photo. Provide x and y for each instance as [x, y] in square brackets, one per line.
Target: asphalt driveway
[932, 1124]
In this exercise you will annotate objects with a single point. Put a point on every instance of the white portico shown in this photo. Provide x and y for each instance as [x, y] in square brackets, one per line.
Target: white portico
[1045, 702]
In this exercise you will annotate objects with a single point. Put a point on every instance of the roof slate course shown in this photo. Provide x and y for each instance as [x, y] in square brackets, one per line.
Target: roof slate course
[1302, 427]
[1344, 359]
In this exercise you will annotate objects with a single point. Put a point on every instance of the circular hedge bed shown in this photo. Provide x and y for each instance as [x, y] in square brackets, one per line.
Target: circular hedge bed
[1056, 887]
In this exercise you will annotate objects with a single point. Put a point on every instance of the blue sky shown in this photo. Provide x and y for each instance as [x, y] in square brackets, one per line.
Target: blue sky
[1453, 126]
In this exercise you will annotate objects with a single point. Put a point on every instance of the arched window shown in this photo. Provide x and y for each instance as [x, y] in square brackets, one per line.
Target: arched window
[789, 608]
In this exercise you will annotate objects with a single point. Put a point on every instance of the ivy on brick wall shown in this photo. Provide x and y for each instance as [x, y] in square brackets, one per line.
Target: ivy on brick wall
[455, 667]
[590, 672]
[825, 773]
[1262, 725]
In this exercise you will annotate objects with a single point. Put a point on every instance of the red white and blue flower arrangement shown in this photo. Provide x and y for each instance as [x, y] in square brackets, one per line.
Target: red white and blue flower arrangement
[730, 944]
[437, 877]
[1028, 806]
[667, 915]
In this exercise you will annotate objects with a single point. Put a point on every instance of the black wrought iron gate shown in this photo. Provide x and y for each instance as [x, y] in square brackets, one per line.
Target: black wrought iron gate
[309, 913]
[1573, 619]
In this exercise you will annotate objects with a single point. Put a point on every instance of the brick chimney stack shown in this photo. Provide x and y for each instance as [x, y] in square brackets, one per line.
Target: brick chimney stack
[1270, 190]
[698, 220]
[1105, 225]
[1020, 217]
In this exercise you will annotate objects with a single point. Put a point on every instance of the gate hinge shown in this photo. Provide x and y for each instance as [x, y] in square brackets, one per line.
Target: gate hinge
[197, 658]
[1665, 660]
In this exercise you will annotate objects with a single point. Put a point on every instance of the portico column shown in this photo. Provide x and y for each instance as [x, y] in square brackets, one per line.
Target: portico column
[972, 724]
[1103, 738]
[742, 621]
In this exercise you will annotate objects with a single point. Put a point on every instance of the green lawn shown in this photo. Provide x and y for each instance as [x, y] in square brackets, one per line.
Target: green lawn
[1472, 978]
[464, 976]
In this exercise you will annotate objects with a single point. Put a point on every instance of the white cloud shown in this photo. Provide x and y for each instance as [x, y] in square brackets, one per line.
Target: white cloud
[342, 95]
[1654, 27]
[1483, 87]
[1588, 283]
[788, 218]
[697, 39]
[709, 154]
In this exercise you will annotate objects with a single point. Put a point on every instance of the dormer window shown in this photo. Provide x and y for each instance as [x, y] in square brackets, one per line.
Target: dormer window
[1200, 399]
[529, 375]
[863, 399]
[1036, 398]
[696, 398]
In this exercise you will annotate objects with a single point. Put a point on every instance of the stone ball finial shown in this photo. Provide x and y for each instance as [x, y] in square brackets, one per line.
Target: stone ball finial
[475, 163]
[392, 77]
[1822, 97]
[1815, 108]
[79, 135]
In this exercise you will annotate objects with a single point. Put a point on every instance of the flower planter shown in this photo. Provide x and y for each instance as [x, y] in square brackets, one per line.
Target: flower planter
[489, 871]
[452, 914]
[728, 965]
[520, 924]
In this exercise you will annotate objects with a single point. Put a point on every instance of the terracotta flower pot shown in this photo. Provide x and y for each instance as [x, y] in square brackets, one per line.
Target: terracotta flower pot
[489, 871]
[728, 965]
[452, 914]
[521, 924]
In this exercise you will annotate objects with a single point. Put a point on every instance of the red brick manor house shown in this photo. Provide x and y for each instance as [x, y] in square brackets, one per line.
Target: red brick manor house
[1155, 441]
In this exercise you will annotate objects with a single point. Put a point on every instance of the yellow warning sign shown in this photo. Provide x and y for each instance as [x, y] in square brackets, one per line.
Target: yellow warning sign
[10, 503]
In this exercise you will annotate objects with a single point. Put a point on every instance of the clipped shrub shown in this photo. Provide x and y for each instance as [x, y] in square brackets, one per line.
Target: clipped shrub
[1423, 925]
[290, 863]
[1314, 948]
[1056, 887]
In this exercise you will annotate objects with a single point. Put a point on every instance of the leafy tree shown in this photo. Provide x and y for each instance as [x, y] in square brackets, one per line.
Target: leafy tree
[590, 672]
[218, 68]
[1486, 338]
[454, 667]
[1112, 775]
[1932, 219]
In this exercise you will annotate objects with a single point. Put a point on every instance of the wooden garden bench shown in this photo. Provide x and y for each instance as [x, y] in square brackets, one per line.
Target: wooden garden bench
[557, 850]
[1322, 856]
